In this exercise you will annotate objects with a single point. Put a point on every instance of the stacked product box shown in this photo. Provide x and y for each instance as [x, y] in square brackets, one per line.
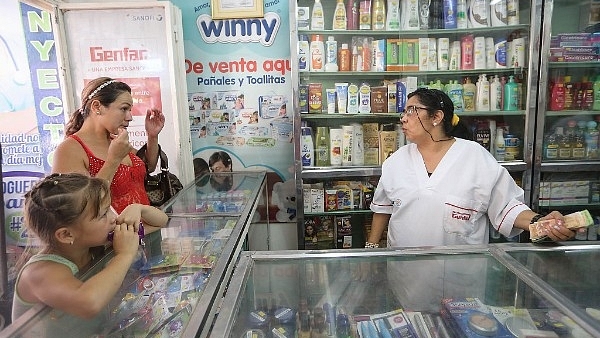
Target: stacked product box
[575, 47]
[566, 193]
[337, 196]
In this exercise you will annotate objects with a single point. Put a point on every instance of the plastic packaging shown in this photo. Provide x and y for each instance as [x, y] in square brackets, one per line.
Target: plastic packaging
[339, 17]
[317, 53]
[358, 147]
[352, 14]
[479, 61]
[335, 146]
[392, 19]
[483, 94]
[512, 12]
[331, 55]
[469, 90]
[498, 13]
[303, 53]
[511, 94]
[347, 144]
[443, 52]
[322, 147]
[557, 95]
[317, 21]
[466, 45]
[499, 149]
[495, 94]
[344, 58]
[364, 15]
[478, 13]
[461, 14]
[378, 16]
[449, 11]
[306, 147]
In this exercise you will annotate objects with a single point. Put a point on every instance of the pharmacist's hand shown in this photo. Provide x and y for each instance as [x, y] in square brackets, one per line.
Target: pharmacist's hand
[556, 231]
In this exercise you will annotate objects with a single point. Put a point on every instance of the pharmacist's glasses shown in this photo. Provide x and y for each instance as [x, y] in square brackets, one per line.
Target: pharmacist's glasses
[410, 110]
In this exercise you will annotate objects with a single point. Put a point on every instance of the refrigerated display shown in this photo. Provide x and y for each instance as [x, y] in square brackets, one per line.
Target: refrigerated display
[566, 162]
[468, 291]
[175, 286]
[351, 85]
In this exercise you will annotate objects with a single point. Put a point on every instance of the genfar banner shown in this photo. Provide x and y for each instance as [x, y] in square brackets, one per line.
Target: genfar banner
[240, 94]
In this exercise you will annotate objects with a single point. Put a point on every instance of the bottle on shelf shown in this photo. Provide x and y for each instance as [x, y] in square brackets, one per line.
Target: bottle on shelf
[392, 18]
[335, 146]
[587, 100]
[495, 94]
[364, 15]
[303, 53]
[317, 19]
[340, 21]
[591, 137]
[569, 92]
[322, 147]
[550, 147]
[499, 145]
[469, 92]
[455, 92]
[307, 148]
[461, 14]
[344, 58]
[352, 15]
[564, 146]
[483, 94]
[317, 53]
[511, 94]
[596, 88]
[557, 95]
[578, 141]
[331, 55]
[378, 16]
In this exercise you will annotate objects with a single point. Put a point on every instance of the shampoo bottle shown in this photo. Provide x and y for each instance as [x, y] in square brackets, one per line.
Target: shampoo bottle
[339, 17]
[392, 20]
[495, 94]
[469, 90]
[352, 14]
[557, 95]
[303, 53]
[511, 94]
[331, 55]
[317, 53]
[344, 58]
[499, 146]
[461, 14]
[322, 147]
[306, 147]
[378, 17]
[317, 21]
[483, 94]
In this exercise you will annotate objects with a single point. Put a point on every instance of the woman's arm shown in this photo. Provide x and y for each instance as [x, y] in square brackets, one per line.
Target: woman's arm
[154, 123]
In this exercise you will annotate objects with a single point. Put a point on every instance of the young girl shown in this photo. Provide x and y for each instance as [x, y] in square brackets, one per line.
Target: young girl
[70, 214]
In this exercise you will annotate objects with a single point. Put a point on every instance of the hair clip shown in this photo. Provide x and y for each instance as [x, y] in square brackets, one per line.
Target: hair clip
[100, 87]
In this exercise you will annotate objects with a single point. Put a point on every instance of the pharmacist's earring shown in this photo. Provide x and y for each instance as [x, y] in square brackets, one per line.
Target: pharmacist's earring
[434, 124]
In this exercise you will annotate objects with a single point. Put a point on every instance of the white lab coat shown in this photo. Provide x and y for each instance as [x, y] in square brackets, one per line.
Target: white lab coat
[450, 207]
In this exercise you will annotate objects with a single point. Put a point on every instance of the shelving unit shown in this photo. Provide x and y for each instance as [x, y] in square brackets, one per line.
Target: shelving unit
[519, 122]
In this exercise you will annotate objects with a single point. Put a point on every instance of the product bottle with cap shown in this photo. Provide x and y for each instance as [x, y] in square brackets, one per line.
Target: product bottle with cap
[322, 147]
[331, 55]
[339, 16]
[499, 145]
[344, 58]
[317, 53]
[317, 21]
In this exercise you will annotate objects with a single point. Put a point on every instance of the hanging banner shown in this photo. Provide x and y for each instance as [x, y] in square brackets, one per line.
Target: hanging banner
[239, 91]
[31, 108]
[129, 45]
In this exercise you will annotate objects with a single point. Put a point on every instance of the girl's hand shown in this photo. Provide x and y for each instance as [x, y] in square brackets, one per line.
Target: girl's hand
[155, 121]
[125, 240]
[131, 215]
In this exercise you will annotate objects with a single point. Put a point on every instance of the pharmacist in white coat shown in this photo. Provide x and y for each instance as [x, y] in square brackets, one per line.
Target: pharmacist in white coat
[440, 190]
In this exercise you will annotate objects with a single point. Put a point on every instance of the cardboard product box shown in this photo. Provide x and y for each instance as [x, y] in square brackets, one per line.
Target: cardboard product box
[392, 60]
[324, 228]
[303, 98]
[391, 90]
[331, 202]
[379, 55]
[343, 233]
[471, 318]
[317, 198]
[379, 100]
[409, 52]
[315, 98]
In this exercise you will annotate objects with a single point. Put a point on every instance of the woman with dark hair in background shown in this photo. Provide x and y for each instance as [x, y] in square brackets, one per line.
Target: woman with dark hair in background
[219, 163]
[97, 143]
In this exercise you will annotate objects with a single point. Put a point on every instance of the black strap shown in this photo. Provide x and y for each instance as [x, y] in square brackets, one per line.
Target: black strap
[162, 158]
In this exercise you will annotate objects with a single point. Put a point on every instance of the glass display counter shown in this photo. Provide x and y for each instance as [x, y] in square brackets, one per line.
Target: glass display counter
[175, 286]
[474, 291]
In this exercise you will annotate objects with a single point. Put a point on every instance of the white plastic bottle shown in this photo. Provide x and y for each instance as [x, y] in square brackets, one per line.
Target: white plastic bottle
[499, 145]
[482, 102]
[461, 14]
[392, 20]
[495, 94]
[307, 148]
[317, 53]
[340, 21]
[331, 51]
[335, 146]
[317, 21]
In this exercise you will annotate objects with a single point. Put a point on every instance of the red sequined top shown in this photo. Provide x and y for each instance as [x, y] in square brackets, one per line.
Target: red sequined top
[127, 186]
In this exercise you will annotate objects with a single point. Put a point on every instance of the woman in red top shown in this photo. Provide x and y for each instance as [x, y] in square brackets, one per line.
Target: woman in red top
[97, 142]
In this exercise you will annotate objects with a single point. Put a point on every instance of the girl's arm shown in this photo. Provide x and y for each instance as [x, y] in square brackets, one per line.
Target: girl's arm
[63, 291]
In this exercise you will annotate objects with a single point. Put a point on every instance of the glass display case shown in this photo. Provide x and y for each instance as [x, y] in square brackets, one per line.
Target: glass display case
[468, 291]
[174, 287]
